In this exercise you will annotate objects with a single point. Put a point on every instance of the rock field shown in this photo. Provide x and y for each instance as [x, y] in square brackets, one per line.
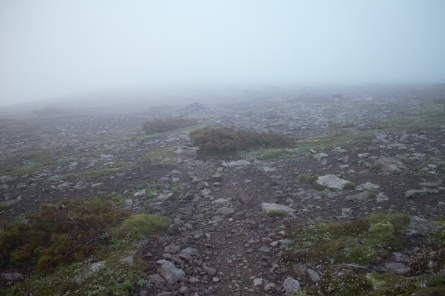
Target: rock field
[221, 241]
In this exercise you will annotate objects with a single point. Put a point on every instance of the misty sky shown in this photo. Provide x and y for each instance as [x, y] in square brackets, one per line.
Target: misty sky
[57, 48]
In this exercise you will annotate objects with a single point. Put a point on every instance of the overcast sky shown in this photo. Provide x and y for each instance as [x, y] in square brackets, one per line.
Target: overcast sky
[56, 48]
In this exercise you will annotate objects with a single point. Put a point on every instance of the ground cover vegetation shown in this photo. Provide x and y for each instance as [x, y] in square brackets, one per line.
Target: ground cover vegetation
[344, 139]
[341, 246]
[57, 240]
[226, 140]
[163, 125]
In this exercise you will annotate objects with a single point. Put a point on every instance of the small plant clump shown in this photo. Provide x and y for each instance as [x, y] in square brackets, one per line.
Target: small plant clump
[276, 213]
[420, 173]
[366, 242]
[157, 126]
[312, 180]
[349, 186]
[372, 193]
[142, 226]
[226, 140]
[375, 167]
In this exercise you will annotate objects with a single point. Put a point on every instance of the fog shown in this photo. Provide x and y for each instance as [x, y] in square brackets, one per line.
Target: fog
[53, 49]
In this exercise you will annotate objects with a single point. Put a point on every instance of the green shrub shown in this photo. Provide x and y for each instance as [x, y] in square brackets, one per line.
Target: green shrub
[167, 124]
[58, 233]
[349, 186]
[227, 140]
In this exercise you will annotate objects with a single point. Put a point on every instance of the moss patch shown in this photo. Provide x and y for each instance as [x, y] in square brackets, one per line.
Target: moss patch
[105, 275]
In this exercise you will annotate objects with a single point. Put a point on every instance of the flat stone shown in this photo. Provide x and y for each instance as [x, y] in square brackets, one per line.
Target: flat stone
[171, 249]
[239, 216]
[12, 276]
[416, 193]
[361, 196]
[226, 211]
[422, 226]
[367, 186]
[397, 268]
[267, 207]
[140, 193]
[189, 250]
[331, 181]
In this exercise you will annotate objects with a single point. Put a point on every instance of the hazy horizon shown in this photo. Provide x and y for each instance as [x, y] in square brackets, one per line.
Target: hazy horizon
[55, 49]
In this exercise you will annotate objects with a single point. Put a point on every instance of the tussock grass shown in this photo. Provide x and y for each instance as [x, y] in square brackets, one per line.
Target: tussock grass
[143, 225]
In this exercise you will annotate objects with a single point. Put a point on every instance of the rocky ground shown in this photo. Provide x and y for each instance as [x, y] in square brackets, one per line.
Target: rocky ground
[221, 241]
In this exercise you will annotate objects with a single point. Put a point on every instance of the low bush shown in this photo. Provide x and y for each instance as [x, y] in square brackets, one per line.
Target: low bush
[157, 126]
[58, 233]
[228, 140]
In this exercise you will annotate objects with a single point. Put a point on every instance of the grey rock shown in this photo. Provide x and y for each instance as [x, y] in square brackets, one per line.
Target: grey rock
[367, 186]
[257, 282]
[171, 249]
[140, 193]
[346, 212]
[361, 196]
[12, 276]
[237, 163]
[128, 259]
[291, 285]
[174, 229]
[184, 290]
[397, 268]
[170, 272]
[299, 269]
[331, 181]
[313, 275]
[7, 179]
[264, 249]
[239, 216]
[189, 250]
[226, 211]
[414, 193]
[320, 155]
[156, 280]
[209, 270]
[389, 164]
[422, 226]
[269, 287]
[399, 257]
[267, 207]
